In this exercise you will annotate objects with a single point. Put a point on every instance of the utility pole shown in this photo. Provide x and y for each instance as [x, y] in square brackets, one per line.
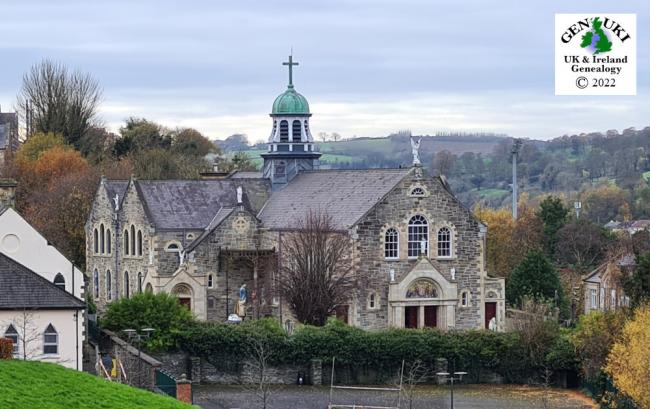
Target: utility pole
[516, 145]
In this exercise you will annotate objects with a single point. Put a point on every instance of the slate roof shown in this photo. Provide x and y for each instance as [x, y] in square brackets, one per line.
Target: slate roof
[246, 175]
[187, 204]
[345, 194]
[21, 288]
[216, 221]
[114, 187]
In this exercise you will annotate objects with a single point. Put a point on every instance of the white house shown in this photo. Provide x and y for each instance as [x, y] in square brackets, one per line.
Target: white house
[43, 321]
[23, 243]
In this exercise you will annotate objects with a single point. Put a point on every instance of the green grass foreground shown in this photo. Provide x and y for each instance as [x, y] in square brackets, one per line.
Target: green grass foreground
[32, 385]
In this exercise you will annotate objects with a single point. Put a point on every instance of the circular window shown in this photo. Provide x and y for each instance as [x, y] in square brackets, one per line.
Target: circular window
[10, 243]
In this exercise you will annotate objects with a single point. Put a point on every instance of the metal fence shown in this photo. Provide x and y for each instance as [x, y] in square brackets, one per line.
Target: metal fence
[165, 383]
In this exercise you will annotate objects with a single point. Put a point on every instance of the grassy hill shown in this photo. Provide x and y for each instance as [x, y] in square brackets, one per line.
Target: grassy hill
[31, 385]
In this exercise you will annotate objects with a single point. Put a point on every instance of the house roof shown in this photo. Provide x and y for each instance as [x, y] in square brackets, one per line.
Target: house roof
[346, 195]
[185, 204]
[21, 288]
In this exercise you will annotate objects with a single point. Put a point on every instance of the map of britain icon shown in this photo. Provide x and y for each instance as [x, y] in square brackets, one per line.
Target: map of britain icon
[595, 39]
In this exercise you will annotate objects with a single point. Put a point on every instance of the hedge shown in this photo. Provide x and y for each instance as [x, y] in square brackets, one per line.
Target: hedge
[383, 350]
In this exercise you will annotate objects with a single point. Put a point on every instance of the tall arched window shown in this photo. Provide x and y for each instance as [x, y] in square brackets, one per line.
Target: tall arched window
[96, 283]
[139, 242]
[140, 283]
[444, 242]
[296, 130]
[12, 334]
[418, 236]
[284, 131]
[108, 241]
[59, 281]
[126, 242]
[391, 244]
[102, 249]
[210, 281]
[109, 286]
[133, 240]
[127, 289]
[50, 341]
[96, 241]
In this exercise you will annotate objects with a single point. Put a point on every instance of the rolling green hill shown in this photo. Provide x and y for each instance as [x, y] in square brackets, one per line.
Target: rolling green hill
[38, 385]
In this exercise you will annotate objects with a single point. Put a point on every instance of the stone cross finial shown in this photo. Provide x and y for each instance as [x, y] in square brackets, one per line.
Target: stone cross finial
[415, 149]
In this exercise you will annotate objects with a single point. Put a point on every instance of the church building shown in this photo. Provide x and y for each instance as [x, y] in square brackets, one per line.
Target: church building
[418, 255]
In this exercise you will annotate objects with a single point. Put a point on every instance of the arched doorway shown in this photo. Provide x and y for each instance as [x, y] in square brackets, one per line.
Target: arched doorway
[184, 294]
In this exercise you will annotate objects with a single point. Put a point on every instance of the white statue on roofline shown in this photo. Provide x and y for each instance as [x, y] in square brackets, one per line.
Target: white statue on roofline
[415, 148]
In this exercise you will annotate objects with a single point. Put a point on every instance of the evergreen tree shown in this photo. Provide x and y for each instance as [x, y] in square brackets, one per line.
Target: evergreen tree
[554, 216]
[637, 287]
[535, 277]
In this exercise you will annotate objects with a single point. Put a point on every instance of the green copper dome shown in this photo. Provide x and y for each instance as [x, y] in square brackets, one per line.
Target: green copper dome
[290, 102]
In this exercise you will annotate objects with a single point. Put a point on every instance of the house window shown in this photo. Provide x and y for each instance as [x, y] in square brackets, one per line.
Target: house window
[593, 299]
[296, 130]
[284, 131]
[391, 244]
[126, 284]
[140, 283]
[50, 341]
[109, 284]
[133, 240]
[12, 334]
[96, 283]
[464, 298]
[418, 236]
[108, 241]
[102, 236]
[210, 281]
[172, 248]
[444, 242]
[418, 191]
[59, 281]
[96, 241]
[139, 242]
[126, 242]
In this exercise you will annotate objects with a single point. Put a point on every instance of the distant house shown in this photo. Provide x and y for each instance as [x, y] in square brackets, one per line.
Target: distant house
[8, 135]
[39, 316]
[602, 288]
[630, 227]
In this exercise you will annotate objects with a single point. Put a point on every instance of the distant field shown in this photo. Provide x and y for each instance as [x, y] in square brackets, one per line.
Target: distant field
[254, 154]
[492, 193]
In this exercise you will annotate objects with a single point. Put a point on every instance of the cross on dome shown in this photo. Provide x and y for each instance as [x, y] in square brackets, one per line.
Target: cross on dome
[290, 63]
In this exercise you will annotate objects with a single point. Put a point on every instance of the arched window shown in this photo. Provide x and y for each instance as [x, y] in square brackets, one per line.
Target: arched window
[284, 131]
[444, 242]
[148, 288]
[50, 341]
[140, 283]
[109, 285]
[127, 289]
[12, 334]
[296, 130]
[418, 236]
[306, 129]
[139, 242]
[210, 281]
[418, 191]
[373, 301]
[133, 240]
[464, 298]
[96, 283]
[108, 241]
[96, 241]
[102, 249]
[59, 281]
[126, 242]
[172, 248]
[391, 244]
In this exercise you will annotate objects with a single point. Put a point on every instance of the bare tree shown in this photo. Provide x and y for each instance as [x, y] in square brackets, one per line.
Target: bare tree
[52, 99]
[257, 379]
[28, 334]
[417, 372]
[316, 269]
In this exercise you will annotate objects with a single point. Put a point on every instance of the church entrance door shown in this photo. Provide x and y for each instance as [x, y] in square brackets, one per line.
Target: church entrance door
[186, 302]
[490, 312]
[430, 316]
[411, 316]
[342, 313]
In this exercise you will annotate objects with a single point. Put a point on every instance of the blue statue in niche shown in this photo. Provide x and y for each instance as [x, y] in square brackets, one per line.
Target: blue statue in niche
[241, 304]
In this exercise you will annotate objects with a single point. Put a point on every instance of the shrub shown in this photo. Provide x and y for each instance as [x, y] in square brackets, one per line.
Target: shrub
[6, 348]
[162, 312]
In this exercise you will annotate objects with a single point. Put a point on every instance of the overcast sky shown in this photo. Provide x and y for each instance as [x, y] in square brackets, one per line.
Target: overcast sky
[368, 68]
